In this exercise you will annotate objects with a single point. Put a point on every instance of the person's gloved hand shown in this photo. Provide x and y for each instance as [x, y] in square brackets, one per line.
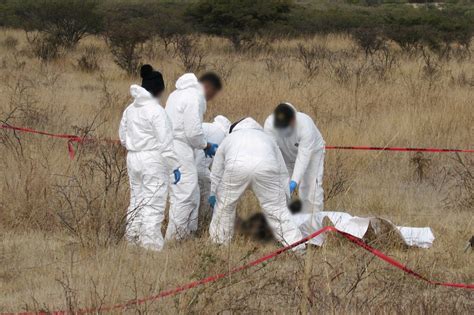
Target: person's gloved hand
[177, 176]
[211, 149]
[293, 186]
[212, 201]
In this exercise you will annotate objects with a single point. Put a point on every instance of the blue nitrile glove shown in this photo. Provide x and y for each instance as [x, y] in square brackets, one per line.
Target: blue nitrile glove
[293, 185]
[212, 201]
[211, 149]
[177, 176]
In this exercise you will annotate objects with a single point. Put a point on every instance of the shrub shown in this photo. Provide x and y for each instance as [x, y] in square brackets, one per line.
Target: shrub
[189, 53]
[68, 21]
[126, 30]
[10, 43]
[89, 60]
[237, 20]
[46, 48]
[312, 58]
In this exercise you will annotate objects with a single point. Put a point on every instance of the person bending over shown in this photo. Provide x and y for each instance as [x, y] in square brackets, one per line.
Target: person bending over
[249, 158]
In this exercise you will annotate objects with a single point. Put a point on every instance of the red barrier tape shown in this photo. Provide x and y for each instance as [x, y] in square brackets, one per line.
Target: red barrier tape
[399, 149]
[265, 258]
[77, 139]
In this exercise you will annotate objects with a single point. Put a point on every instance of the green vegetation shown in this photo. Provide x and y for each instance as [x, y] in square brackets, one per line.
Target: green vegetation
[128, 24]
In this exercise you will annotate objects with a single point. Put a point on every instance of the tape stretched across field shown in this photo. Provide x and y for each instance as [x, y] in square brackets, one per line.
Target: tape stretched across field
[77, 139]
[188, 286]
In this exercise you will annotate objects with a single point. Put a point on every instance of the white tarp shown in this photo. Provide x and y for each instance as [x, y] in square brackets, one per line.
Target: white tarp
[359, 226]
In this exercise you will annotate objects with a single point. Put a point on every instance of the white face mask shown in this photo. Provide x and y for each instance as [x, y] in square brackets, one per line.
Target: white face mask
[285, 132]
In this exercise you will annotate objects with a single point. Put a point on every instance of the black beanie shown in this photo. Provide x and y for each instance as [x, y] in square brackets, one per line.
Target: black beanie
[152, 80]
[283, 115]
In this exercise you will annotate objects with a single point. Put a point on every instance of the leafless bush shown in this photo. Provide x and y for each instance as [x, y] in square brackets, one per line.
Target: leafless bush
[89, 60]
[431, 69]
[460, 184]
[45, 48]
[312, 58]
[421, 165]
[462, 79]
[23, 104]
[10, 42]
[189, 53]
[91, 204]
[382, 62]
[273, 64]
[224, 67]
[345, 71]
[336, 181]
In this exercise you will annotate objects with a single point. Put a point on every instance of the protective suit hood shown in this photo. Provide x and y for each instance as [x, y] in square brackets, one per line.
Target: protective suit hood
[223, 123]
[247, 123]
[140, 95]
[291, 105]
[188, 80]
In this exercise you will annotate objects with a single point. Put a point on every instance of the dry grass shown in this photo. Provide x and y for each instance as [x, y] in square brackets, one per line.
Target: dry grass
[61, 221]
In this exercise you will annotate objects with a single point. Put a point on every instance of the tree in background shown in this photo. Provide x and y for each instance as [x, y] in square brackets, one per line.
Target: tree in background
[237, 20]
[64, 22]
[127, 28]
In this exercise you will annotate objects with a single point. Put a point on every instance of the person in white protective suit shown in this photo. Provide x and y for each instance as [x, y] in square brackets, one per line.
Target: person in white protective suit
[215, 132]
[249, 158]
[186, 107]
[303, 150]
[145, 131]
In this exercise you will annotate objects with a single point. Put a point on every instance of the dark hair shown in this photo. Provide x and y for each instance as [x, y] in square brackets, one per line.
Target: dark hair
[213, 79]
[235, 124]
[152, 80]
[283, 115]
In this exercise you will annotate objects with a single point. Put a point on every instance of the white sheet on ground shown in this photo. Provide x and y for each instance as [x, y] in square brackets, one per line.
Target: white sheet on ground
[358, 227]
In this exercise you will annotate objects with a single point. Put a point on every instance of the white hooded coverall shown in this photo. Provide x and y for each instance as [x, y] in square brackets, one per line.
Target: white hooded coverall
[250, 158]
[145, 131]
[215, 132]
[303, 152]
[186, 107]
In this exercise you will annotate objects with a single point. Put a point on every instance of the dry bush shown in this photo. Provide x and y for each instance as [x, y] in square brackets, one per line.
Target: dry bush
[10, 43]
[431, 69]
[421, 165]
[189, 53]
[89, 60]
[383, 61]
[459, 185]
[45, 48]
[312, 58]
[91, 204]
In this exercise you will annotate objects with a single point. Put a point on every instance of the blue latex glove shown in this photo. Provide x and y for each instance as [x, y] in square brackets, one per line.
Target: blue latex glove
[293, 186]
[211, 149]
[212, 201]
[177, 176]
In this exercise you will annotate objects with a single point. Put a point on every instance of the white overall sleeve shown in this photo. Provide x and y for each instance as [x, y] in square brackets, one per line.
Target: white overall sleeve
[193, 126]
[218, 167]
[123, 129]
[310, 142]
[268, 126]
[284, 176]
[164, 134]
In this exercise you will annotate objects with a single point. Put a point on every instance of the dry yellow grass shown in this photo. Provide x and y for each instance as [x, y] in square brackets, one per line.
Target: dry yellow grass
[60, 219]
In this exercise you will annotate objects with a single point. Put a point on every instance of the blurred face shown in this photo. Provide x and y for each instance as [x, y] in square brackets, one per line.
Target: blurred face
[287, 131]
[209, 91]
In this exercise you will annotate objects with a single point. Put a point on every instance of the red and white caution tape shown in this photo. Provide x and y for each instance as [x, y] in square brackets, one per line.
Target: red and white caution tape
[188, 286]
[76, 139]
